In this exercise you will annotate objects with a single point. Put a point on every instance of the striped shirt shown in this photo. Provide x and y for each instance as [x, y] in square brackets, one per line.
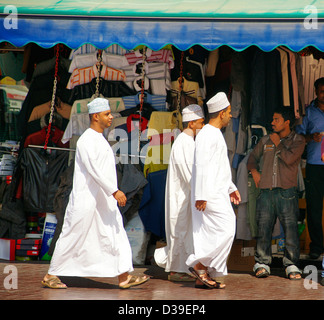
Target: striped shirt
[163, 55]
[89, 48]
[153, 71]
[85, 75]
[90, 59]
[156, 102]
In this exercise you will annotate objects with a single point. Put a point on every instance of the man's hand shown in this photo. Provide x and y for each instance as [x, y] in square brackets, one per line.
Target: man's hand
[235, 197]
[201, 205]
[120, 197]
[275, 138]
[256, 177]
[317, 136]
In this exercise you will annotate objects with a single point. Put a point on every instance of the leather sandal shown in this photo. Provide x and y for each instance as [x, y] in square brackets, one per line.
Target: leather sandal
[262, 274]
[54, 283]
[202, 276]
[134, 281]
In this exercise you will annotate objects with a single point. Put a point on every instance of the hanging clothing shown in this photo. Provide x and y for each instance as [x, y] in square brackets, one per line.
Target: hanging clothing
[285, 77]
[163, 122]
[163, 55]
[89, 48]
[312, 69]
[156, 101]
[294, 81]
[60, 202]
[244, 231]
[90, 59]
[80, 106]
[85, 75]
[41, 177]
[178, 226]
[152, 207]
[266, 86]
[214, 228]
[190, 87]
[132, 182]
[153, 71]
[106, 88]
[79, 122]
[93, 241]
[40, 92]
[158, 152]
[39, 111]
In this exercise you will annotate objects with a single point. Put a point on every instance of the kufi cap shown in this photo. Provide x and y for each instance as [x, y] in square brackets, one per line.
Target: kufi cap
[192, 112]
[98, 105]
[218, 102]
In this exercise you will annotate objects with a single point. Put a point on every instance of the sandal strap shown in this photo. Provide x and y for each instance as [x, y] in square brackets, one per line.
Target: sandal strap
[201, 272]
[54, 280]
[203, 275]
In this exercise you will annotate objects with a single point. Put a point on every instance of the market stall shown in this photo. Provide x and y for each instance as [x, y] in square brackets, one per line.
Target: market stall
[150, 61]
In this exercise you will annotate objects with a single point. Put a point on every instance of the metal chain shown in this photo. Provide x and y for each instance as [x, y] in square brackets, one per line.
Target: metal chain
[180, 89]
[57, 48]
[180, 80]
[141, 98]
[98, 65]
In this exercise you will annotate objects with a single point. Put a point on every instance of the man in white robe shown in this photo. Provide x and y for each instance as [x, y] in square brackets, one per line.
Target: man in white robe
[213, 217]
[93, 241]
[178, 226]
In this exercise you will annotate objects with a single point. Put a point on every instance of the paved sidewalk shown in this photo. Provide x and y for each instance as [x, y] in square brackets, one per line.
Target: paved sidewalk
[239, 286]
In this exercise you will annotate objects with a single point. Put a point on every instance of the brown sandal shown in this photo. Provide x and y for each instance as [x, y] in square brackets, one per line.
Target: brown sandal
[134, 281]
[203, 277]
[54, 283]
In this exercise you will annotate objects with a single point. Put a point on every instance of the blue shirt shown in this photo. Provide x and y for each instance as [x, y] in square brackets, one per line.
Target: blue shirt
[157, 102]
[312, 122]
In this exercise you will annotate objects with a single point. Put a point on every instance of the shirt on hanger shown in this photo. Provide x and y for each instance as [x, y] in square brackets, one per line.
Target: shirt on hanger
[153, 70]
[163, 55]
[89, 59]
[89, 48]
[79, 123]
[85, 75]
[188, 86]
[157, 102]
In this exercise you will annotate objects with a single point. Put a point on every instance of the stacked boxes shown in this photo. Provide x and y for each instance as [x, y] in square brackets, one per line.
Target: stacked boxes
[28, 249]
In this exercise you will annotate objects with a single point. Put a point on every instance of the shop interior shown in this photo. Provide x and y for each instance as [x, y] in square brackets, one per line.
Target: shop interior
[43, 111]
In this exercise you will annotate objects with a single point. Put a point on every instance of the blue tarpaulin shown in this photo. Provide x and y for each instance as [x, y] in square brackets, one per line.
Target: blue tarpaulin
[210, 23]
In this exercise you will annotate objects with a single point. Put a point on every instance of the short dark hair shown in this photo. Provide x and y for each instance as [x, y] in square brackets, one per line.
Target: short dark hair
[319, 82]
[214, 115]
[185, 124]
[287, 113]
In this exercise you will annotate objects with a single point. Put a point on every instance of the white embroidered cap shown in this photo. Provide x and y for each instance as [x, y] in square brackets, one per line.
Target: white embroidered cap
[192, 112]
[218, 102]
[98, 105]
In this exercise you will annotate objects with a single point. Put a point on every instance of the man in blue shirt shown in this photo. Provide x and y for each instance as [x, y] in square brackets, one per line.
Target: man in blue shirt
[312, 128]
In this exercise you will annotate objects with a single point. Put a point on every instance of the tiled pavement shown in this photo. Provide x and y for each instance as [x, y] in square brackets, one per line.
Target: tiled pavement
[239, 286]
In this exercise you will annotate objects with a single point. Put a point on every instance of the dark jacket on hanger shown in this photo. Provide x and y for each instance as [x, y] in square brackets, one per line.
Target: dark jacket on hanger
[41, 173]
[106, 88]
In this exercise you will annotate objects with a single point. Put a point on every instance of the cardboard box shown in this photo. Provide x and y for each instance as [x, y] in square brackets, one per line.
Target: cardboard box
[7, 249]
[241, 257]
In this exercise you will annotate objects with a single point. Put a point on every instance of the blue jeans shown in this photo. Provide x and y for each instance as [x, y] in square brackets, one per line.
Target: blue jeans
[281, 203]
